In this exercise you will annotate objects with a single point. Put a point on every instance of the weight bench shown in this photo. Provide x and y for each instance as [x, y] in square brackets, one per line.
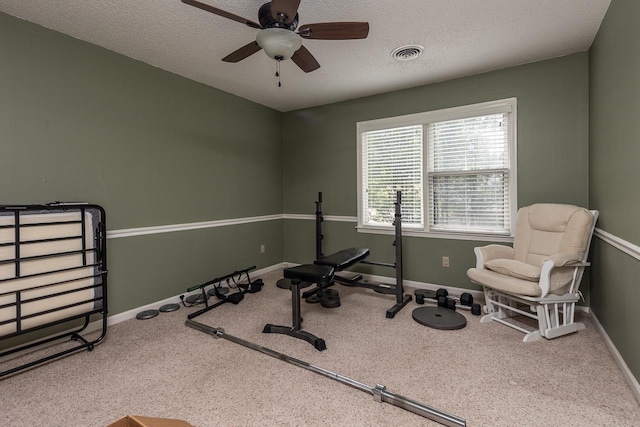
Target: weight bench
[301, 277]
[340, 261]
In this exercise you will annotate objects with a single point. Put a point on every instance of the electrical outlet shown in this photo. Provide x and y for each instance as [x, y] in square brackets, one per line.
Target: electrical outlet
[445, 261]
[263, 249]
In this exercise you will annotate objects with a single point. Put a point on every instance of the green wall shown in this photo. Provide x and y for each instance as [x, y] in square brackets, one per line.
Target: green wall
[320, 155]
[614, 153]
[81, 123]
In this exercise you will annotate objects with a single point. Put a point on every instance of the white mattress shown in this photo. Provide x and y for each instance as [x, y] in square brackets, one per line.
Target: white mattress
[46, 269]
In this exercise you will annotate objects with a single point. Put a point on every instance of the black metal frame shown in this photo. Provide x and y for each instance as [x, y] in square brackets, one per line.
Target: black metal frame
[402, 299]
[236, 277]
[296, 330]
[99, 278]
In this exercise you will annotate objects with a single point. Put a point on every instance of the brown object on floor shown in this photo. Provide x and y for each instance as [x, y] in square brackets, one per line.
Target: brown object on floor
[138, 421]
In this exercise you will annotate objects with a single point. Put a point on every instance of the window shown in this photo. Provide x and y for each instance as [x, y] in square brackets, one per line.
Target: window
[455, 168]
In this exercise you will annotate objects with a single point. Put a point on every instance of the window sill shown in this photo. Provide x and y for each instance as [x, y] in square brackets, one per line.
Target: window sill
[437, 235]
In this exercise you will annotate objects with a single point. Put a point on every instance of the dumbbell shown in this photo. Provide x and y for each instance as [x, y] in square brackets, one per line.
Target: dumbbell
[466, 299]
[442, 298]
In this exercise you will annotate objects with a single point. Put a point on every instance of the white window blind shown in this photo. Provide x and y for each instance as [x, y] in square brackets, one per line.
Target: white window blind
[456, 169]
[468, 174]
[391, 161]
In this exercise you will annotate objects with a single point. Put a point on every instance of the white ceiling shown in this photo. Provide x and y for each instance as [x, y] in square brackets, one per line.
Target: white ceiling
[461, 37]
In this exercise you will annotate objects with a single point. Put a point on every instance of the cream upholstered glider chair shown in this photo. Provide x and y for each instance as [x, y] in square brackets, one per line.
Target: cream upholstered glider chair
[539, 277]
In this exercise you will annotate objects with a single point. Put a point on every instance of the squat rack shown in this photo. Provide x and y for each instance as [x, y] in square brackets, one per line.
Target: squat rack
[398, 288]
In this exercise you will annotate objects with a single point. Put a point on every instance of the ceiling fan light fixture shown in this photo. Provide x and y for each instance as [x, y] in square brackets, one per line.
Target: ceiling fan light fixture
[278, 43]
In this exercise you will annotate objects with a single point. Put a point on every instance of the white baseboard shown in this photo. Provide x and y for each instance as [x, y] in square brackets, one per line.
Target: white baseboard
[130, 314]
[126, 315]
[626, 372]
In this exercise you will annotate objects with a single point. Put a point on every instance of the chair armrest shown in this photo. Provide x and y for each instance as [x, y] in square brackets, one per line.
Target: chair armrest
[565, 259]
[489, 252]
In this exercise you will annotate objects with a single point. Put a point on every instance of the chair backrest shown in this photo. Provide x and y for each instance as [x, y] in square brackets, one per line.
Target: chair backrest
[547, 229]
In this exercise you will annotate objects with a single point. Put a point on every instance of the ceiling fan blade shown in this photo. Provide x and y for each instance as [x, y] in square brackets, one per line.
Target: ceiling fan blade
[305, 60]
[222, 13]
[242, 53]
[335, 31]
[284, 10]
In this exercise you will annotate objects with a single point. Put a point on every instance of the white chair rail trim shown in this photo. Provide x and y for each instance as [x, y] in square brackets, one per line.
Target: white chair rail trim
[615, 241]
[141, 231]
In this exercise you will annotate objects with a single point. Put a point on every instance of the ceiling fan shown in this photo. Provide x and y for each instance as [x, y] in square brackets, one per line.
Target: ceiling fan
[278, 36]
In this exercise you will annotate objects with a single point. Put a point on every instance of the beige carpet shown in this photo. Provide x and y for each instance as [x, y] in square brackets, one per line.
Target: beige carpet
[483, 373]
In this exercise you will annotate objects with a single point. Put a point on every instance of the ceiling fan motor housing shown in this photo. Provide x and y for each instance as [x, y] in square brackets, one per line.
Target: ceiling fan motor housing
[268, 21]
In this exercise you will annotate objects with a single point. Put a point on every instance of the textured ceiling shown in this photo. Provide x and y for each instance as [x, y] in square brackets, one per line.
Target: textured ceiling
[461, 37]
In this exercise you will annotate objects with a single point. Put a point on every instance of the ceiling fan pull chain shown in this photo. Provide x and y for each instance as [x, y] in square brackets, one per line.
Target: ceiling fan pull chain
[278, 72]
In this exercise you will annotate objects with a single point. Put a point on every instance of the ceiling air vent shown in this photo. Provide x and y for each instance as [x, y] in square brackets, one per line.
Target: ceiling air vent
[407, 53]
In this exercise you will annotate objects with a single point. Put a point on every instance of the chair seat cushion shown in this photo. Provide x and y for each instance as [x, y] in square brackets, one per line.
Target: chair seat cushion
[514, 268]
[504, 283]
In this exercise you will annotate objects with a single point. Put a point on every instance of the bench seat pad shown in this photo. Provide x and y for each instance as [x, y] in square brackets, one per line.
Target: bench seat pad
[320, 274]
[344, 259]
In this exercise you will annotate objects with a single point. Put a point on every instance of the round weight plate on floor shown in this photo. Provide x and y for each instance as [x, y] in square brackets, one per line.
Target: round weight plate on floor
[328, 293]
[147, 314]
[328, 302]
[169, 307]
[195, 299]
[221, 290]
[313, 299]
[284, 283]
[439, 318]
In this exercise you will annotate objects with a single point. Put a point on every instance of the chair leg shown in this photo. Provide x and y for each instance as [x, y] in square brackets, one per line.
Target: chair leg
[489, 307]
[532, 336]
[549, 324]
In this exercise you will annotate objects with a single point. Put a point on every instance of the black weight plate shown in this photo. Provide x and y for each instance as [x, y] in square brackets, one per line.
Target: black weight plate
[385, 289]
[439, 318]
[284, 284]
[330, 302]
[169, 307]
[327, 293]
[195, 299]
[147, 314]
[313, 299]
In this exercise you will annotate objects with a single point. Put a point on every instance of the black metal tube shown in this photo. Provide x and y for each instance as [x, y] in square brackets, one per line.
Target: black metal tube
[379, 392]
[295, 304]
[398, 244]
[381, 264]
[319, 220]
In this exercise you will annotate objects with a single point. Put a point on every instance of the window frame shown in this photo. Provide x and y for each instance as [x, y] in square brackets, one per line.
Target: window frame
[508, 105]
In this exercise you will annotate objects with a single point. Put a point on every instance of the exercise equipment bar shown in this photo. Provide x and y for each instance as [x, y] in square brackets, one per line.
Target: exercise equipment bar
[379, 392]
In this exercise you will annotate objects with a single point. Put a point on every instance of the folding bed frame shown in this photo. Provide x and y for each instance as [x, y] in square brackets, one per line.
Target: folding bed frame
[53, 277]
